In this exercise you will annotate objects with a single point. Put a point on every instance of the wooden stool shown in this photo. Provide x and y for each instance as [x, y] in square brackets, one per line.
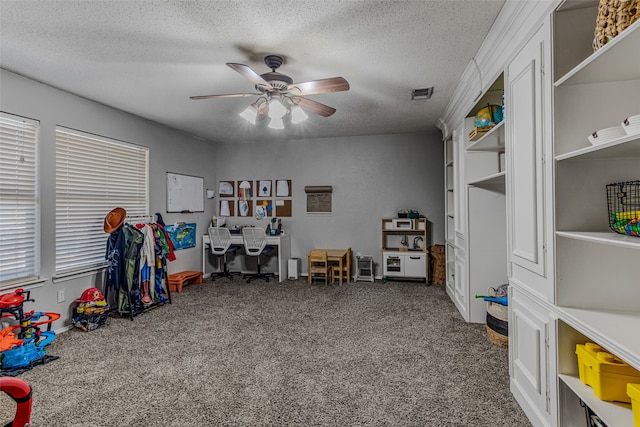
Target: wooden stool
[177, 280]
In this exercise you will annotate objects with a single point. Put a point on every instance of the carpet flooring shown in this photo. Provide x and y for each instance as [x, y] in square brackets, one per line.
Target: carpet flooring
[228, 353]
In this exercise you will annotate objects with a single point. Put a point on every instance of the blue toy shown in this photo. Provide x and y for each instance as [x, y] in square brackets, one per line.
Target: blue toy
[499, 300]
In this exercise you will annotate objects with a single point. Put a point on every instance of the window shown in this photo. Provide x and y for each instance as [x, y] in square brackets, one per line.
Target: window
[19, 204]
[93, 176]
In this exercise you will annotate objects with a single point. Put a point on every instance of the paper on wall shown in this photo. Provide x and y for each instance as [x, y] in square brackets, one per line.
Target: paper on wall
[224, 208]
[282, 188]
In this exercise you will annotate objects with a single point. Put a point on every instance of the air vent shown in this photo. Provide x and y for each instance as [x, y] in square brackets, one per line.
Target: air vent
[422, 93]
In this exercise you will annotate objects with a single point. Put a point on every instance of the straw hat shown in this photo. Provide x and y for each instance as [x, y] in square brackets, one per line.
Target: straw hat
[114, 220]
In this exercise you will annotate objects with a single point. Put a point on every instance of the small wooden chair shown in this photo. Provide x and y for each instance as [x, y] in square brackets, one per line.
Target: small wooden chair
[346, 268]
[318, 266]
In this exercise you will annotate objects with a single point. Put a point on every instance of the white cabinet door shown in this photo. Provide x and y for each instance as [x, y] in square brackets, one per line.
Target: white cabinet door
[415, 265]
[530, 162]
[461, 288]
[393, 265]
[460, 204]
[530, 357]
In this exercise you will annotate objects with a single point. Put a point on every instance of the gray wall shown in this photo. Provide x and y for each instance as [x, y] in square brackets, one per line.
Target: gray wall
[168, 151]
[372, 177]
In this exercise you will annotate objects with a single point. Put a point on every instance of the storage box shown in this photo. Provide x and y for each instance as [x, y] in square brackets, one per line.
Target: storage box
[605, 373]
[478, 132]
[633, 391]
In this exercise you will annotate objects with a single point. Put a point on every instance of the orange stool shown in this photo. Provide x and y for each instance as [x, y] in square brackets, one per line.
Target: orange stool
[177, 280]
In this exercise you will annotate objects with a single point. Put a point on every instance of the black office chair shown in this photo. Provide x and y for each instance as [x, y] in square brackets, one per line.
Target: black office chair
[255, 244]
[220, 243]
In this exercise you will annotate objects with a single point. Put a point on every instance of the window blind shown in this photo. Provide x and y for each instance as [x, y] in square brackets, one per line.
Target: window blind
[19, 203]
[93, 176]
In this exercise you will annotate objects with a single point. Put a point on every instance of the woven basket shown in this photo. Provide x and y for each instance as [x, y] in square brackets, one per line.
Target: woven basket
[498, 311]
[496, 338]
[438, 265]
[614, 16]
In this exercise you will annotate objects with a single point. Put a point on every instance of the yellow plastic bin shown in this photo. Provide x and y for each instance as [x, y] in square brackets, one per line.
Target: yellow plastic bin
[605, 373]
[633, 390]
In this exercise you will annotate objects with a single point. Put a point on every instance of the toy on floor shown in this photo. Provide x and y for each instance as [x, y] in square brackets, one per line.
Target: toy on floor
[20, 392]
[92, 310]
[25, 347]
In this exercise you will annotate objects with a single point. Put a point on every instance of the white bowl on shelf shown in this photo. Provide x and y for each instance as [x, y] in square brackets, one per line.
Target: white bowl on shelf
[631, 125]
[607, 134]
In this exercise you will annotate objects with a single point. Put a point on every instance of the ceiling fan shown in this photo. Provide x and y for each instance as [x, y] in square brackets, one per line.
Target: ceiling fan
[278, 94]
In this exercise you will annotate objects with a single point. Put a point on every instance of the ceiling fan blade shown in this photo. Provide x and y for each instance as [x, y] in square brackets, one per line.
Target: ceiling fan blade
[225, 95]
[333, 84]
[247, 72]
[314, 107]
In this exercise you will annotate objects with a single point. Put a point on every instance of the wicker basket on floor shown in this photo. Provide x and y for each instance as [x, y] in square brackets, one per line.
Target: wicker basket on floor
[614, 16]
[438, 266]
[498, 324]
[496, 338]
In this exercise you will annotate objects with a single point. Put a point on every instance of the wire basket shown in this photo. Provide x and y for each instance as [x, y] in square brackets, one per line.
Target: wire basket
[623, 203]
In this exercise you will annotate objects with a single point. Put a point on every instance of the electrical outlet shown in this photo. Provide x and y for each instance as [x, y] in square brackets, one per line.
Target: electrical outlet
[61, 297]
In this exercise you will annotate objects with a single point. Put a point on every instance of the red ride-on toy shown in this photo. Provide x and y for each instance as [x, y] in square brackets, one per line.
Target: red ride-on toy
[20, 392]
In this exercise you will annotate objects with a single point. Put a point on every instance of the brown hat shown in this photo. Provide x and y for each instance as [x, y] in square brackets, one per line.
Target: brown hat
[114, 220]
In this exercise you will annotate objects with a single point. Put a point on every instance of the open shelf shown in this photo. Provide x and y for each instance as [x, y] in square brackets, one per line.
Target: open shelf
[598, 67]
[604, 237]
[491, 141]
[494, 181]
[612, 330]
[624, 147]
[611, 413]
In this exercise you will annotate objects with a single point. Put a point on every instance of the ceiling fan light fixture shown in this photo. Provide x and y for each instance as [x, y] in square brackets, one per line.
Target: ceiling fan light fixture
[276, 109]
[298, 115]
[250, 114]
[276, 123]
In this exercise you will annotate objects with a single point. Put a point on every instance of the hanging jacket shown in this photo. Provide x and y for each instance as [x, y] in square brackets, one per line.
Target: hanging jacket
[115, 256]
[133, 242]
[171, 256]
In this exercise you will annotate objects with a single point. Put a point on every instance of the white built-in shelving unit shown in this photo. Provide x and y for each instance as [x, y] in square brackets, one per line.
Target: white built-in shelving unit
[484, 212]
[597, 280]
[572, 279]
[449, 200]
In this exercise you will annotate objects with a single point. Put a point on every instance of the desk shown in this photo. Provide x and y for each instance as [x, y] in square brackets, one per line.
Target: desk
[339, 256]
[281, 242]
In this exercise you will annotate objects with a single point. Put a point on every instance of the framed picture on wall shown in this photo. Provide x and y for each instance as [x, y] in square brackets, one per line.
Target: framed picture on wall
[225, 188]
[264, 188]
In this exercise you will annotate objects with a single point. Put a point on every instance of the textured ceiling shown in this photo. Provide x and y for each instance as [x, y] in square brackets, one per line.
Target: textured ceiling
[148, 57]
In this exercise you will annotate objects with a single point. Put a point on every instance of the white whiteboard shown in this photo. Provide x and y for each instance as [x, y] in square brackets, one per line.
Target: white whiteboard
[185, 193]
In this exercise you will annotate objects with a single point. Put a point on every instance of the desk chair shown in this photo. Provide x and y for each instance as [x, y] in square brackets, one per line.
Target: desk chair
[255, 244]
[318, 266]
[346, 268]
[220, 243]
